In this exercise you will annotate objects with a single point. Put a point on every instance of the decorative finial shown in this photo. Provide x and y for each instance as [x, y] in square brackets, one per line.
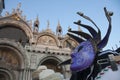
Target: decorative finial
[59, 28]
[19, 5]
[48, 24]
[24, 17]
[13, 11]
[58, 23]
[18, 8]
[37, 19]
[18, 11]
[36, 23]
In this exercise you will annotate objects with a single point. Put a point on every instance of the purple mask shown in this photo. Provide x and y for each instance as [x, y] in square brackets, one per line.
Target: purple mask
[82, 56]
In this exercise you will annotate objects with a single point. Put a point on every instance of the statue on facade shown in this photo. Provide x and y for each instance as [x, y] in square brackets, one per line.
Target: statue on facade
[2, 6]
[88, 59]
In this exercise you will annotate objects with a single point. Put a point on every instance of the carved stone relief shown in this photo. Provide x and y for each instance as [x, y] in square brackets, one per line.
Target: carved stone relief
[47, 40]
[9, 58]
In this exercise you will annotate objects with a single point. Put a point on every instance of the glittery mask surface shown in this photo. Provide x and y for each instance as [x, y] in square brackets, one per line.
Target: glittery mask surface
[82, 56]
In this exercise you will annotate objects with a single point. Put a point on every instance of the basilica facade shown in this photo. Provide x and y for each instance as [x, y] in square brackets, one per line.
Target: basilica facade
[24, 47]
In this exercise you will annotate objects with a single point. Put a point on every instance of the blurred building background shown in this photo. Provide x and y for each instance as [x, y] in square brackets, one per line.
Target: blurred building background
[24, 47]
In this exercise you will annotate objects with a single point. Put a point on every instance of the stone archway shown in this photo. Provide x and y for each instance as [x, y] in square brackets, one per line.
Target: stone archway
[9, 49]
[18, 24]
[12, 60]
[9, 58]
[12, 32]
[9, 64]
[5, 74]
[52, 63]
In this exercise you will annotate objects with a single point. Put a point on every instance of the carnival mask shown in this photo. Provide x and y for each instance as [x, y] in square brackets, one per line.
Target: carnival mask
[80, 57]
[84, 54]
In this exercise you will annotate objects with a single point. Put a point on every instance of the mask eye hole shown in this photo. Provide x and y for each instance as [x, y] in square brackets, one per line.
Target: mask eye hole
[80, 48]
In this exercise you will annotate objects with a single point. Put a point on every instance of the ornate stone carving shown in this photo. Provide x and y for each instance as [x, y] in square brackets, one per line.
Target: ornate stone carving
[47, 40]
[9, 58]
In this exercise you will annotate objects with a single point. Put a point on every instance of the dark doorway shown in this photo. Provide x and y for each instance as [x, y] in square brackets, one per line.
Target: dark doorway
[52, 64]
[4, 76]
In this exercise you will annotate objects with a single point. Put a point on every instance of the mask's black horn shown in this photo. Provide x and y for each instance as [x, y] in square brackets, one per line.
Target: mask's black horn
[79, 40]
[65, 62]
[84, 35]
[103, 42]
[98, 36]
[89, 28]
